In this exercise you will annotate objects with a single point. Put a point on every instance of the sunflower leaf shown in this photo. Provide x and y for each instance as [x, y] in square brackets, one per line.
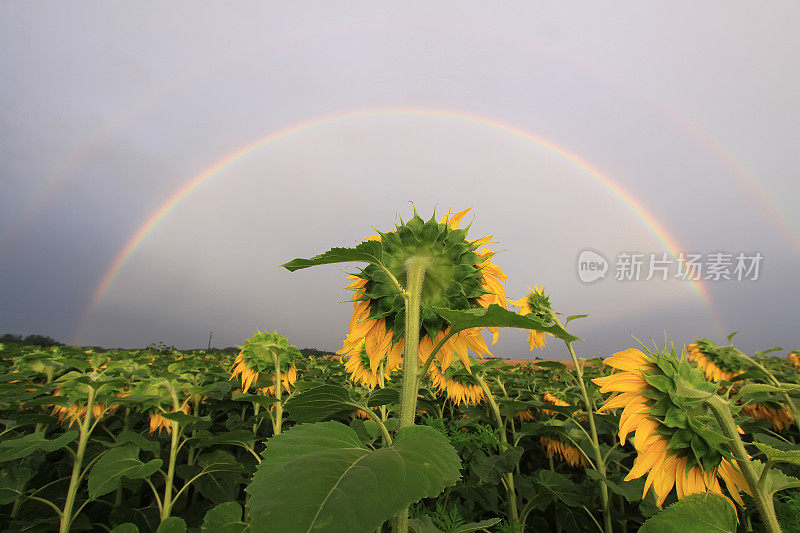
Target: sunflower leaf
[319, 403]
[24, 446]
[224, 518]
[320, 477]
[698, 513]
[775, 455]
[562, 488]
[775, 480]
[367, 251]
[496, 316]
[383, 397]
[116, 463]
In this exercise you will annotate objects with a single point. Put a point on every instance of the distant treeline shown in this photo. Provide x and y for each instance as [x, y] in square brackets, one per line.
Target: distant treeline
[42, 340]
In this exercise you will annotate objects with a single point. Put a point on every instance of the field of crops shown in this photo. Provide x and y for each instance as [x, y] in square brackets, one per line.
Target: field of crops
[407, 430]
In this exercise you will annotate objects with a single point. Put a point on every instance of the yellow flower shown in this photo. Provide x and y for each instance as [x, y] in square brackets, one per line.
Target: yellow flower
[524, 415]
[459, 386]
[671, 455]
[794, 360]
[717, 362]
[778, 417]
[358, 367]
[567, 451]
[461, 275]
[259, 354]
[159, 422]
[538, 303]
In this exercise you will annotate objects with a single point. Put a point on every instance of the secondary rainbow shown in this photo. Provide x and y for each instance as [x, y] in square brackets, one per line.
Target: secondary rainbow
[652, 224]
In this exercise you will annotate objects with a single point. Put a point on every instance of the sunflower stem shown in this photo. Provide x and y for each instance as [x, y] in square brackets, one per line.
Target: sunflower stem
[601, 464]
[719, 406]
[416, 267]
[509, 476]
[74, 481]
[278, 421]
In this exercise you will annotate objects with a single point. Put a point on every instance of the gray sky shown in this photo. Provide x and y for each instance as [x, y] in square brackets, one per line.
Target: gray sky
[109, 109]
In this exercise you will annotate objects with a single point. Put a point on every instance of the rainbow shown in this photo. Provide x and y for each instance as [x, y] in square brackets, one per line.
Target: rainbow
[653, 225]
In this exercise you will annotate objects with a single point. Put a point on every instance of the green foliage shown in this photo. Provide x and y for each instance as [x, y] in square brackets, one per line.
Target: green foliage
[353, 488]
[698, 513]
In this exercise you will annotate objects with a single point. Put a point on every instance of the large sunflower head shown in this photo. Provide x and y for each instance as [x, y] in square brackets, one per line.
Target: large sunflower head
[538, 304]
[717, 362]
[258, 357]
[459, 275]
[158, 421]
[678, 442]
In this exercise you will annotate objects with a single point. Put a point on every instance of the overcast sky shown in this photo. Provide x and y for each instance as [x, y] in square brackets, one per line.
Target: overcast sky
[109, 109]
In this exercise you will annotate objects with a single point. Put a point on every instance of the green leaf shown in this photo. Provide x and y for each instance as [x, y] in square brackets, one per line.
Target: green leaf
[383, 397]
[477, 526]
[320, 477]
[562, 488]
[127, 527]
[756, 388]
[122, 461]
[698, 513]
[173, 524]
[319, 403]
[775, 480]
[12, 483]
[491, 468]
[224, 518]
[367, 251]
[139, 440]
[775, 455]
[496, 316]
[570, 318]
[24, 446]
[263, 401]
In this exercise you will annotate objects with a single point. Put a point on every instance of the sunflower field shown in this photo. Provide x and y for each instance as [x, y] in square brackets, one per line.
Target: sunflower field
[412, 426]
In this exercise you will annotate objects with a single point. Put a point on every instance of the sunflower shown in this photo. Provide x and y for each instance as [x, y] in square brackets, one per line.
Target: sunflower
[550, 398]
[779, 417]
[669, 449]
[358, 367]
[524, 415]
[75, 412]
[717, 362]
[567, 451]
[795, 360]
[159, 422]
[538, 304]
[258, 355]
[460, 275]
[457, 383]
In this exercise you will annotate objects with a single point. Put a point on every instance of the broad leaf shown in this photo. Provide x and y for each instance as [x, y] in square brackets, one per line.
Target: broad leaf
[127, 527]
[173, 524]
[116, 463]
[383, 397]
[496, 316]
[224, 518]
[319, 403]
[698, 513]
[775, 455]
[561, 487]
[775, 480]
[367, 252]
[320, 477]
[491, 468]
[24, 446]
[12, 483]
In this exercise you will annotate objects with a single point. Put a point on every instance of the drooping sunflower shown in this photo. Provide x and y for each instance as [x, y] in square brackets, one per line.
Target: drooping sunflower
[159, 422]
[258, 356]
[524, 415]
[538, 304]
[669, 448]
[716, 362]
[357, 366]
[551, 398]
[778, 415]
[568, 452]
[460, 275]
[458, 383]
